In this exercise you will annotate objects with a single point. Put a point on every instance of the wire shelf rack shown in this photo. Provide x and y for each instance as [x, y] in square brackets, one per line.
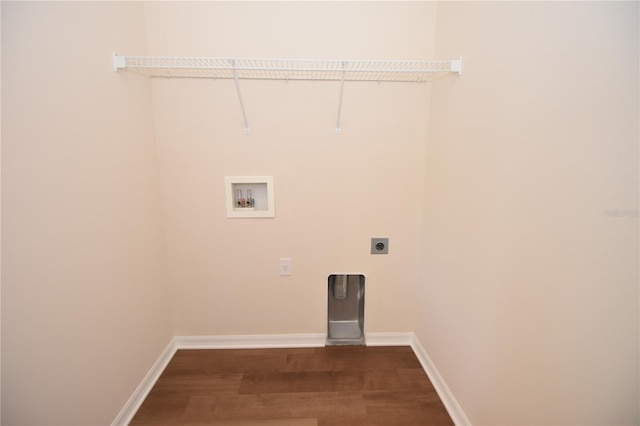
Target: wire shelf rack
[288, 69]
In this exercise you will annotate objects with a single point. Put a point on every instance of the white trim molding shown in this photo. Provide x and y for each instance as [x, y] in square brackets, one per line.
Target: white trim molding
[137, 398]
[447, 398]
[389, 339]
[266, 341]
[262, 341]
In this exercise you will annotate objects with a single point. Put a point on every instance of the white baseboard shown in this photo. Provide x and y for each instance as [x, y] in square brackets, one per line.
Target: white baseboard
[389, 339]
[251, 342]
[283, 341]
[137, 398]
[447, 398]
[286, 341]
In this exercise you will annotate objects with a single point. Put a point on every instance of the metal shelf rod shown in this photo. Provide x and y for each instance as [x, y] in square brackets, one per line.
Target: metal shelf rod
[244, 114]
[338, 130]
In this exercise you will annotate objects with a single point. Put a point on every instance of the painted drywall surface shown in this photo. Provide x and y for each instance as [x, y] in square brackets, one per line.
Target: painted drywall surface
[84, 309]
[528, 302]
[0, 224]
[332, 192]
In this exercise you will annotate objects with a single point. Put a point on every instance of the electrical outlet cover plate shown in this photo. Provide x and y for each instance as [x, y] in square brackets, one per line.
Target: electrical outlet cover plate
[380, 246]
[285, 266]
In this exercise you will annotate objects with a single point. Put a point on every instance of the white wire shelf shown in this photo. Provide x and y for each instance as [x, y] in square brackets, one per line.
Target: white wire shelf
[288, 69]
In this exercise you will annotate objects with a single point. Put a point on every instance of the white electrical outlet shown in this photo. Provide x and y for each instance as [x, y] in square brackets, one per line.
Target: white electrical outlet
[285, 266]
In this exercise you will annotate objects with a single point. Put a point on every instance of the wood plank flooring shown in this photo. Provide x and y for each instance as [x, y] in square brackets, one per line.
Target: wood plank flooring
[331, 386]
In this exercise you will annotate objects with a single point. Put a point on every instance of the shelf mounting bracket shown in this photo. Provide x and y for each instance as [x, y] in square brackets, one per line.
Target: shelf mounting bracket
[456, 66]
[118, 61]
[235, 78]
[344, 66]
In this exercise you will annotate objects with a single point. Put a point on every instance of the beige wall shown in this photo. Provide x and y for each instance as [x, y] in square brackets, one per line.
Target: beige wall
[528, 298]
[85, 310]
[527, 294]
[332, 192]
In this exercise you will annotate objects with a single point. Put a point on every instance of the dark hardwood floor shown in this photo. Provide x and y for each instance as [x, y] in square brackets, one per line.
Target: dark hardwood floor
[331, 386]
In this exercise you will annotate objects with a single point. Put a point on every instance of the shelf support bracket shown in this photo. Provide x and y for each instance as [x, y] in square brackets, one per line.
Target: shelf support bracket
[344, 66]
[118, 62]
[456, 66]
[235, 78]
